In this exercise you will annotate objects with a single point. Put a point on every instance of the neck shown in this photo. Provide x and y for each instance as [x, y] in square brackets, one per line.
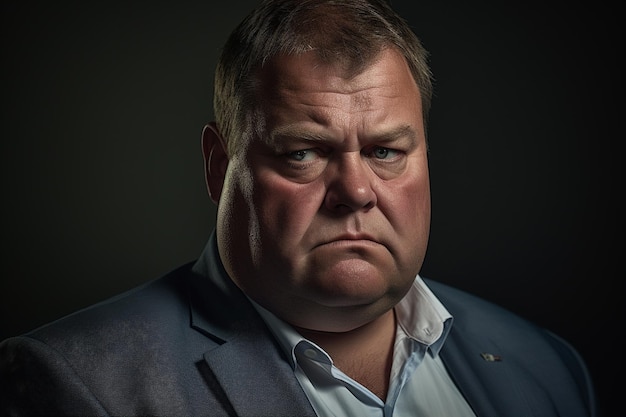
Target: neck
[365, 353]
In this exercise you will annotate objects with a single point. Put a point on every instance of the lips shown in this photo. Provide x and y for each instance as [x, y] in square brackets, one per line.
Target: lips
[350, 238]
[356, 236]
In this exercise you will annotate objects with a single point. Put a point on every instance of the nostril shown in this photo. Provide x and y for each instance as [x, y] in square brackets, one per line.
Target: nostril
[350, 198]
[349, 184]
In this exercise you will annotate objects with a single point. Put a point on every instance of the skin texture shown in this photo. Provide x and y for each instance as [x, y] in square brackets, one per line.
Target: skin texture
[324, 218]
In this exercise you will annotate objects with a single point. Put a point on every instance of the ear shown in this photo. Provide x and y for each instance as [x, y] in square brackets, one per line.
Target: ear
[215, 160]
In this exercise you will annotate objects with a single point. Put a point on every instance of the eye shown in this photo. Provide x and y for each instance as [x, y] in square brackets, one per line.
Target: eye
[384, 153]
[302, 155]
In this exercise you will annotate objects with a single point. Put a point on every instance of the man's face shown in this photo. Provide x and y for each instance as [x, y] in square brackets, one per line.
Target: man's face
[324, 218]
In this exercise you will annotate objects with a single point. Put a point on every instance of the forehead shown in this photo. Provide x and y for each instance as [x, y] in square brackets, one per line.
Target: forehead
[300, 97]
[286, 77]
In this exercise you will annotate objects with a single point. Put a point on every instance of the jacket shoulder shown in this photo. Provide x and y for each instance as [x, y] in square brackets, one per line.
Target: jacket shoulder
[132, 353]
[146, 303]
[538, 362]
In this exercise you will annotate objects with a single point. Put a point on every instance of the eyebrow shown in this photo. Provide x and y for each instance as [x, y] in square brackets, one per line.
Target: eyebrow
[404, 131]
[289, 132]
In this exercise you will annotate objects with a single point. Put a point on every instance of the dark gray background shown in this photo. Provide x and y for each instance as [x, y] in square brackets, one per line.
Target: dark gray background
[102, 177]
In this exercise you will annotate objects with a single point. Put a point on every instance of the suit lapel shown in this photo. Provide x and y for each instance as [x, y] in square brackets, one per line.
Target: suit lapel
[245, 361]
[256, 379]
[471, 373]
[494, 385]
[249, 366]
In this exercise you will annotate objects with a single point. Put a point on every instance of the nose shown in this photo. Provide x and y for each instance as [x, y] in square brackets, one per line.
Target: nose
[349, 186]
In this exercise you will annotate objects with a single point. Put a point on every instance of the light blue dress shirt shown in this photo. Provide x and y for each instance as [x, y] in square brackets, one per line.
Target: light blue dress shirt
[419, 383]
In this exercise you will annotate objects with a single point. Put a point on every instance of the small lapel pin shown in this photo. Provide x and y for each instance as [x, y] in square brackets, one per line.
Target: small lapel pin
[489, 357]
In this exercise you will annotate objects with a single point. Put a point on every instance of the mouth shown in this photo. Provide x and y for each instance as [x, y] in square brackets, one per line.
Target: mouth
[351, 239]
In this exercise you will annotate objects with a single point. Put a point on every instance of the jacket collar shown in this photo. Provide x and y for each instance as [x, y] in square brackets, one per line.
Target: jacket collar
[245, 360]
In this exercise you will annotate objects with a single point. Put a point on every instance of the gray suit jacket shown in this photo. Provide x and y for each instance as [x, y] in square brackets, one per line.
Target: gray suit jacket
[191, 344]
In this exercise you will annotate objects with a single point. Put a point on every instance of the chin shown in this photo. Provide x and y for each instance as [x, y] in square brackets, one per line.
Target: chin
[341, 319]
[355, 282]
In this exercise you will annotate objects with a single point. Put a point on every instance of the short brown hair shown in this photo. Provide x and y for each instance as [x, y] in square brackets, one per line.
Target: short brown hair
[350, 32]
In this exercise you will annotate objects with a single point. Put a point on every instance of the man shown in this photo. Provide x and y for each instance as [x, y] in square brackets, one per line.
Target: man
[307, 298]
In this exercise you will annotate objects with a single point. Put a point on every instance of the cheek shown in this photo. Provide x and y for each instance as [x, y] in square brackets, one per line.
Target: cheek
[286, 208]
[406, 203]
[409, 215]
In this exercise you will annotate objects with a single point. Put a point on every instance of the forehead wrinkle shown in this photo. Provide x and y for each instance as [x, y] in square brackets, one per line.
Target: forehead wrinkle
[361, 100]
[295, 130]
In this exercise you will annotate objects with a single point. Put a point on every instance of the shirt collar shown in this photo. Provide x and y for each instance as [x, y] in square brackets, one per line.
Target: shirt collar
[288, 338]
[423, 317]
[420, 314]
